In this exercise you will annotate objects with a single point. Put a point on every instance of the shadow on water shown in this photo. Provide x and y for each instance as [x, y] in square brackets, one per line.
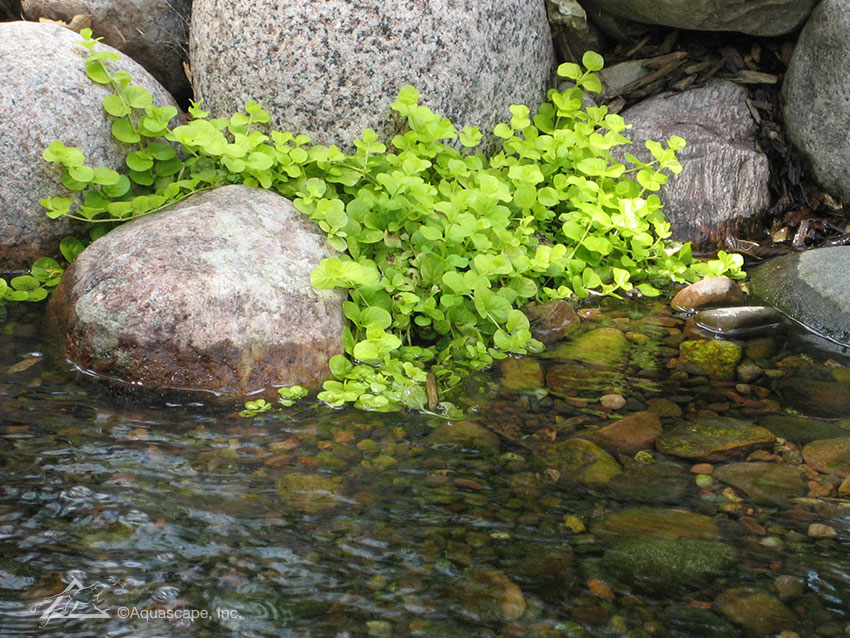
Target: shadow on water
[123, 517]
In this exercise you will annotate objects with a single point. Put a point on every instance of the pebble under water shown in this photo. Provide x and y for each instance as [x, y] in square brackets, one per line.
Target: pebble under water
[621, 484]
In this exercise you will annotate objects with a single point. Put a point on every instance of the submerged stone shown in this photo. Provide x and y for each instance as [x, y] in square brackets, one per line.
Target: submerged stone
[758, 611]
[607, 347]
[466, 434]
[652, 483]
[628, 435]
[713, 439]
[717, 358]
[801, 429]
[309, 493]
[653, 522]
[815, 397]
[764, 483]
[581, 461]
[740, 321]
[551, 321]
[692, 621]
[665, 566]
[520, 373]
[488, 596]
[830, 456]
[570, 380]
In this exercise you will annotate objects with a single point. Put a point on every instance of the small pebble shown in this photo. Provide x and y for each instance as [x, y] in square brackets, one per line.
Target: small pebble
[704, 480]
[820, 530]
[612, 401]
[771, 541]
[702, 468]
[788, 587]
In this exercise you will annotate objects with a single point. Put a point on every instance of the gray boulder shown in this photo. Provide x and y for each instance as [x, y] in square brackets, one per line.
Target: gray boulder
[572, 33]
[756, 17]
[724, 180]
[155, 33]
[816, 106]
[812, 287]
[330, 68]
[210, 295]
[45, 95]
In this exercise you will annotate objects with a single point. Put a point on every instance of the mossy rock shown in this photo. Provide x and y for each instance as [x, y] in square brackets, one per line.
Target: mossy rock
[572, 380]
[606, 347]
[466, 434]
[520, 374]
[489, 596]
[764, 483]
[714, 439]
[309, 493]
[653, 522]
[664, 566]
[801, 429]
[717, 358]
[582, 461]
[760, 612]
[830, 456]
[653, 483]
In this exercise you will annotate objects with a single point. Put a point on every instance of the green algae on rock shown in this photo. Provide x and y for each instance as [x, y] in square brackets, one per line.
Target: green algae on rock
[717, 358]
[831, 456]
[760, 612]
[801, 429]
[581, 461]
[664, 566]
[309, 493]
[488, 596]
[764, 483]
[653, 522]
[520, 373]
[713, 439]
[466, 434]
[607, 347]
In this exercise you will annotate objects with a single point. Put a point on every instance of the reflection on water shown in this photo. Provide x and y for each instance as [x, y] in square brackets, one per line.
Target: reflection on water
[123, 517]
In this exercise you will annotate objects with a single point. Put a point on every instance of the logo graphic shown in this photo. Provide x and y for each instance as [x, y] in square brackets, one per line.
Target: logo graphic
[75, 601]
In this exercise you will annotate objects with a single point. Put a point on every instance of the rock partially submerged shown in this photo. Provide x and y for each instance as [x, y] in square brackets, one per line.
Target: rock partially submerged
[212, 294]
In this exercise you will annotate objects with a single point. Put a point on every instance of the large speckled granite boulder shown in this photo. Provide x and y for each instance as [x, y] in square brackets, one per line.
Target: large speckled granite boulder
[330, 68]
[155, 33]
[816, 106]
[812, 287]
[212, 294]
[724, 182]
[756, 17]
[45, 95]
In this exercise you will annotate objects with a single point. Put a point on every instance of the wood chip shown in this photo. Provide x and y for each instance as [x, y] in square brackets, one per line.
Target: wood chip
[79, 22]
[745, 76]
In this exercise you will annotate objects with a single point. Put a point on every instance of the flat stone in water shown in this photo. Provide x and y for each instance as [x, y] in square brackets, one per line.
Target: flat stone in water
[740, 321]
[628, 435]
[717, 358]
[603, 347]
[831, 456]
[467, 434]
[582, 461]
[801, 429]
[812, 287]
[309, 493]
[714, 291]
[691, 621]
[764, 483]
[815, 397]
[713, 439]
[652, 483]
[758, 611]
[653, 522]
[520, 373]
[571, 380]
[665, 566]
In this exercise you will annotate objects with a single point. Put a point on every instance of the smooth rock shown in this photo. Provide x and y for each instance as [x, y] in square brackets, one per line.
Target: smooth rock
[488, 596]
[155, 33]
[758, 611]
[310, 493]
[666, 566]
[713, 439]
[330, 68]
[551, 321]
[651, 522]
[212, 294]
[714, 291]
[612, 401]
[717, 358]
[764, 483]
[466, 434]
[820, 530]
[685, 620]
[814, 397]
[801, 429]
[548, 572]
[814, 96]
[520, 373]
[755, 17]
[607, 347]
[45, 95]
[573, 379]
[582, 461]
[723, 186]
[740, 321]
[652, 483]
[635, 432]
[831, 456]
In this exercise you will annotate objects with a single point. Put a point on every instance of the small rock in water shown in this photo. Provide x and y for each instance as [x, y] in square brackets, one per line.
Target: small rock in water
[652, 522]
[814, 397]
[714, 291]
[740, 321]
[820, 530]
[764, 483]
[612, 401]
[582, 461]
[759, 611]
[488, 596]
[830, 456]
[717, 358]
[713, 439]
[628, 435]
[521, 373]
[551, 321]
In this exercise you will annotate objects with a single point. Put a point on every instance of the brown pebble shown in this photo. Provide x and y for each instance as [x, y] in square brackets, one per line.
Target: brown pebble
[817, 490]
[820, 530]
[844, 488]
[702, 468]
[612, 401]
[280, 459]
[752, 525]
[471, 484]
[762, 455]
[600, 589]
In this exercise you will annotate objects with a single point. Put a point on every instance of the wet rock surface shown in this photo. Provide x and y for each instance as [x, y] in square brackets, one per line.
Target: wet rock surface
[764, 483]
[46, 96]
[831, 456]
[714, 291]
[714, 439]
[210, 295]
[329, 69]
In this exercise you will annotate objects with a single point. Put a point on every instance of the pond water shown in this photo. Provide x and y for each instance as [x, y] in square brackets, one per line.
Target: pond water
[123, 516]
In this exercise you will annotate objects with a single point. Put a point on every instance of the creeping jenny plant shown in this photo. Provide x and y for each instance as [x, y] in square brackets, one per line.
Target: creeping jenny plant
[439, 248]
